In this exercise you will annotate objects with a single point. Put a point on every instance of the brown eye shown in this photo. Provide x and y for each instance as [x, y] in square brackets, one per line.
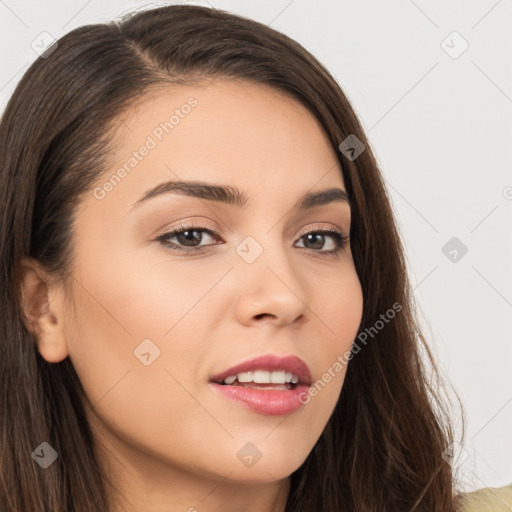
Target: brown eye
[315, 240]
[188, 238]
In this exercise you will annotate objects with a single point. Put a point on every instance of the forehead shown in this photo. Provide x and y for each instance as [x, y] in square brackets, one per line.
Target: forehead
[240, 133]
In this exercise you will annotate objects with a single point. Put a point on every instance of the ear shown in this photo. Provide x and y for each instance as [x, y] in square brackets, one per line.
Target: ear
[42, 305]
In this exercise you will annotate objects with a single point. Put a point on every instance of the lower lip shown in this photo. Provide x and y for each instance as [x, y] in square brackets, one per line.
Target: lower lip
[272, 402]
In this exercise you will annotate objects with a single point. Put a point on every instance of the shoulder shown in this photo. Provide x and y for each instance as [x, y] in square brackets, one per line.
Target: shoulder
[488, 499]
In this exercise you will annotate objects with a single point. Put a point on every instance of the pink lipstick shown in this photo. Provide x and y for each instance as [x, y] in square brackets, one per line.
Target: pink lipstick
[268, 384]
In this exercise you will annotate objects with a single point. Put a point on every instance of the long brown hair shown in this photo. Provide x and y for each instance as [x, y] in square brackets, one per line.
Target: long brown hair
[383, 447]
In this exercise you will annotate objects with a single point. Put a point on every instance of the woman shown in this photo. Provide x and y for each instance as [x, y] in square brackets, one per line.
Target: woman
[191, 213]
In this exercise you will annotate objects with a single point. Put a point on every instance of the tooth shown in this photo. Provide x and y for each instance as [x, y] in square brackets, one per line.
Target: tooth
[261, 377]
[245, 377]
[230, 379]
[278, 377]
[289, 376]
[295, 379]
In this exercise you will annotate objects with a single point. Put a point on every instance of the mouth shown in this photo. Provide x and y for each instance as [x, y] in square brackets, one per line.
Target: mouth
[286, 386]
[270, 372]
[268, 385]
[264, 398]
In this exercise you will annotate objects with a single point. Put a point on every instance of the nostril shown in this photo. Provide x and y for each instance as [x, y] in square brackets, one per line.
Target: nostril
[261, 315]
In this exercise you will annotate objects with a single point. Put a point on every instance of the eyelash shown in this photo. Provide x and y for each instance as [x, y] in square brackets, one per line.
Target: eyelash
[341, 241]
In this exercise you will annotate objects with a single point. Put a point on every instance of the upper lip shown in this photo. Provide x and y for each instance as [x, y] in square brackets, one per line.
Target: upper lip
[270, 362]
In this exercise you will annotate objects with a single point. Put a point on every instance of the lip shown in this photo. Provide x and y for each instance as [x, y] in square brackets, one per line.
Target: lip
[272, 401]
[270, 362]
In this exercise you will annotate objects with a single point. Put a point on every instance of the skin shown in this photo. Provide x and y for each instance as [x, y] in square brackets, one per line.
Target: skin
[166, 439]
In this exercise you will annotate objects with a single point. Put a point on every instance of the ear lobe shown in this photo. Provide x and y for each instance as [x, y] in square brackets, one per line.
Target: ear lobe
[42, 311]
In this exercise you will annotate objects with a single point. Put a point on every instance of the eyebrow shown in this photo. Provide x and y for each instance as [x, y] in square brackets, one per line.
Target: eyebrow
[233, 196]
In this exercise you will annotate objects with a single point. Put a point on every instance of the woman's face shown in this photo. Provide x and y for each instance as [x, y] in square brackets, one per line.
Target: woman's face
[151, 325]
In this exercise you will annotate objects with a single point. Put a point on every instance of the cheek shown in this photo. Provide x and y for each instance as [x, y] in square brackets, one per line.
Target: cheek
[120, 324]
[339, 309]
[133, 319]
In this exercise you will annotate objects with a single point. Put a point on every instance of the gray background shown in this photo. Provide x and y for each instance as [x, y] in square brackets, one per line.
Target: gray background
[440, 126]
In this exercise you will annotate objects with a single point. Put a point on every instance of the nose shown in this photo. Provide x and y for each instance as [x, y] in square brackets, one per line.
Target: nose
[271, 290]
